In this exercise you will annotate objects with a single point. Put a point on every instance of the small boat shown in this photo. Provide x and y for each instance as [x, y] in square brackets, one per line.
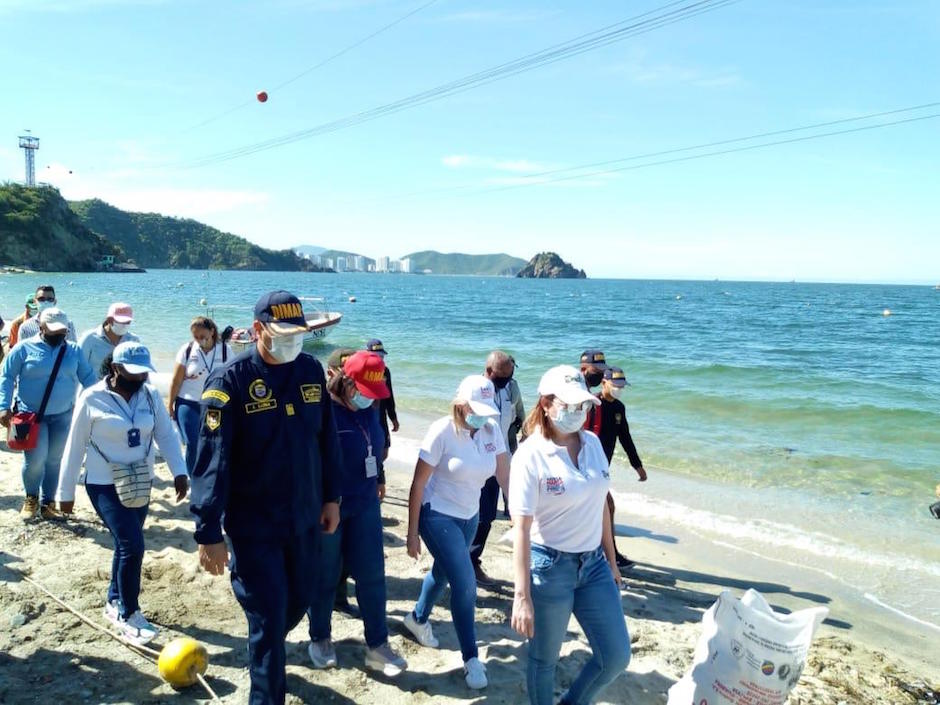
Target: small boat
[319, 325]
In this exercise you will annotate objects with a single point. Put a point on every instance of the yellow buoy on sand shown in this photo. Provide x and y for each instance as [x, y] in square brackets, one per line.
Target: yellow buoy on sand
[181, 661]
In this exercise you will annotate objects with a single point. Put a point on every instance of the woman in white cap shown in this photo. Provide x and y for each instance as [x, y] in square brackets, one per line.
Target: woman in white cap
[563, 543]
[114, 428]
[41, 375]
[98, 343]
[459, 453]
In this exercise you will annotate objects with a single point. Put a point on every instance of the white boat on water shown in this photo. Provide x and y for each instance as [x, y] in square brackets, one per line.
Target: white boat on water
[319, 324]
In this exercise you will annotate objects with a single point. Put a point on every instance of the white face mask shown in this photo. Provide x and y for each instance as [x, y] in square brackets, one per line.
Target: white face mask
[43, 305]
[285, 348]
[615, 392]
[567, 421]
[119, 328]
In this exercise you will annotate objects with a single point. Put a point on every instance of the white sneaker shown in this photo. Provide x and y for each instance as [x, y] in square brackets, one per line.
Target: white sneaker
[475, 673]
[322, 653]
[422, 632]
[138, 629]
[112, 613]
[383, 658]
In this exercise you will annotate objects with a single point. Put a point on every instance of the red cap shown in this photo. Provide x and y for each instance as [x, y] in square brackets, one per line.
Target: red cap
[367, 370]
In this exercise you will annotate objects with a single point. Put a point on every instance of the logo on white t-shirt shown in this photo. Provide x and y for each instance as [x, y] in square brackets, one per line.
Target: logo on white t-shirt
[554, 485]
[489, 447]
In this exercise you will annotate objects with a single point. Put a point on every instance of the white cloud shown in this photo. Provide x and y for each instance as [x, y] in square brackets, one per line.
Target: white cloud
[118, 190]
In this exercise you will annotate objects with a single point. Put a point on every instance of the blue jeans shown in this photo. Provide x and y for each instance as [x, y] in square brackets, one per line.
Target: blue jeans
[448, 539]
[41, 464]
[127, 530]
[579, 583]
[187, 418]
[357, 544]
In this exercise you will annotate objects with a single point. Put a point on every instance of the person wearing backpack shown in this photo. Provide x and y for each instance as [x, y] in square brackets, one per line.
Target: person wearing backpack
[195, 361]
[114, 429]
[45, 371]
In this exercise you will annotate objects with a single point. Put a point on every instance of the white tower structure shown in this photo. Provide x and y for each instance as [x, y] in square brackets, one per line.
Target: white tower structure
[29, 145]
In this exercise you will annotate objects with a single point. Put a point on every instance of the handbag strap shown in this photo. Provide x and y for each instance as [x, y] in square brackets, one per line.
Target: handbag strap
[51, 382]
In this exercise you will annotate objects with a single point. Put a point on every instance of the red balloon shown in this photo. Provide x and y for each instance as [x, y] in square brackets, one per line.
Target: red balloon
[262, 96]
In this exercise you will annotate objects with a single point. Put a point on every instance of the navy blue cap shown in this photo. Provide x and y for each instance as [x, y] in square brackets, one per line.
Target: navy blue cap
[595, 358]
[375, 345]
[281, 312]
[616, 377]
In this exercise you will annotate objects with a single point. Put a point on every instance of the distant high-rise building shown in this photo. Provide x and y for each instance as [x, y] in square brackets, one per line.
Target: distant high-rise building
[405, 265]
[394, 265]
[381, 264]
[358, 263]
[340, 264]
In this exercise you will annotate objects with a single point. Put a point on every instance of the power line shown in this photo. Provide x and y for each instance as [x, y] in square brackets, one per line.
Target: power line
[617, 32]
[693, 157]
[321, 64]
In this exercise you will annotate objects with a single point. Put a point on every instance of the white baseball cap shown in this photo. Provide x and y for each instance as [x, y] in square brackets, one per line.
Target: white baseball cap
[479, 393]
[54, 319]
[566, 383]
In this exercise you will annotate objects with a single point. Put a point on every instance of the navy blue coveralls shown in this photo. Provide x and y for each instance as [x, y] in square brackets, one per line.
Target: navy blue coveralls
[268, 458]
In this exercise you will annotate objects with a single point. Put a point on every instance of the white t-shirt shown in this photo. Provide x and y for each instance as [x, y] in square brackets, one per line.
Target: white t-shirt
[197, 367]
[564, 501]
[462, 464]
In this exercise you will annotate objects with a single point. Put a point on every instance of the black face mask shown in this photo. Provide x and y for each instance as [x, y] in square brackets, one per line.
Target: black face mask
[131, 386]
[53, 340]
[593, 379]
[500, 382]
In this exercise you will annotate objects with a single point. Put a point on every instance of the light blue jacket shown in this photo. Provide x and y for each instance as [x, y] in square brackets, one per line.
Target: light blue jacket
[96, 347]
[28, 367]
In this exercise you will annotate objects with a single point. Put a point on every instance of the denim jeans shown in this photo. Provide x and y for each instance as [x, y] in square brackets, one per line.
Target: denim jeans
[448, 539]
[41, 464]
[127, 530]
[187, 418]
[357, 544]
[582, 584]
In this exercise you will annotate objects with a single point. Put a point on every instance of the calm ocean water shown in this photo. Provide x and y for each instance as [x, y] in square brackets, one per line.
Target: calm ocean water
[795, 420]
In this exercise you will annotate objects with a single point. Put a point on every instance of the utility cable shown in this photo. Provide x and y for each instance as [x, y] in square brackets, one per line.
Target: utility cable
[631, 27]
[321, 64]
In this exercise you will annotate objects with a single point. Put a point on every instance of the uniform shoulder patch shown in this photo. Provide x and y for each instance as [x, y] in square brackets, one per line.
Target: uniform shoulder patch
[213, 419]
[217, 395]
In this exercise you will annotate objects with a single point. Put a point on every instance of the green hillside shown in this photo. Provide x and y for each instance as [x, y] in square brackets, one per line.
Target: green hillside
[163, 242]
[39, 231]
[457, 263]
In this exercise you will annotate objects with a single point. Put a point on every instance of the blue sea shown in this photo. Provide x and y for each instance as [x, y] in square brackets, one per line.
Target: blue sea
[800, 421]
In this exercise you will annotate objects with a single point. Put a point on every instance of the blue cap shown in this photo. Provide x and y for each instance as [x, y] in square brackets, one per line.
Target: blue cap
[375, 345]
[133, 357]
[615, 376]
[281, 312]
[594, 358]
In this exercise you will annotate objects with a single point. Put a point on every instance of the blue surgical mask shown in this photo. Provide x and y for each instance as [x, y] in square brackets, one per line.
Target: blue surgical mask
[476, 421]
[43, 305]
[361, 401]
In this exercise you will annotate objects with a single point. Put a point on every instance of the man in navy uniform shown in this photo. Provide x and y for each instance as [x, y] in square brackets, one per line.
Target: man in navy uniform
[267, 467]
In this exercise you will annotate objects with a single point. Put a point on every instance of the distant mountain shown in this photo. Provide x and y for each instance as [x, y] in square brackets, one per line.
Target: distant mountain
[457, 263]
[548, 265]
[160, 241]
[38, 231]
[308, 250]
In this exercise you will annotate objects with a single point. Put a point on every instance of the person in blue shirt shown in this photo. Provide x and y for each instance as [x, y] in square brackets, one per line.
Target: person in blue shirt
[28, 369]
[98, 343]
[267, 467]
[357, 543]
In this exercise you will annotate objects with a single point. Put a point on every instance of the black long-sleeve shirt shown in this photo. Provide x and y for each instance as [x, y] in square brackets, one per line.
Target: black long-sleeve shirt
[387, 408]
[609, 423]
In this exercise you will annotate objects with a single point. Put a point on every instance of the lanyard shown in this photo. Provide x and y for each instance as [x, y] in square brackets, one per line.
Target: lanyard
[364, 433]
[114, 403]
[205, 362]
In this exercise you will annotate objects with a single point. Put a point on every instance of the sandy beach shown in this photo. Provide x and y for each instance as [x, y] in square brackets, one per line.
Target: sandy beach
[48, 654]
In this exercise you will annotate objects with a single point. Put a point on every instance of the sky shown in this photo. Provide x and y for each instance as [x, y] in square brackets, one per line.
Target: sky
[134, 101]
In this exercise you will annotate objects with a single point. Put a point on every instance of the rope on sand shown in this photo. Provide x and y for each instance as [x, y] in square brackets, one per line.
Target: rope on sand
[139, 649]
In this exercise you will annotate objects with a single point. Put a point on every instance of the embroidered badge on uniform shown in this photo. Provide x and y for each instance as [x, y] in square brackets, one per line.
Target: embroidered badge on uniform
[311, 393]
[213, 419]
[216, 394]
[259, 390]
[554, 485]
[289, 408]
[618, 418]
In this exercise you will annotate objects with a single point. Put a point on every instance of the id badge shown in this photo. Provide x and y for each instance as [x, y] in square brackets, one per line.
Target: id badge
[372, 465]
[133, 437]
